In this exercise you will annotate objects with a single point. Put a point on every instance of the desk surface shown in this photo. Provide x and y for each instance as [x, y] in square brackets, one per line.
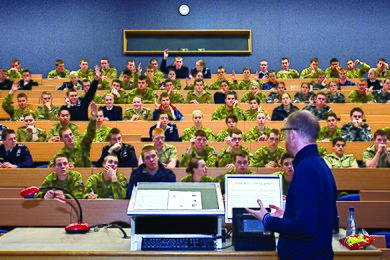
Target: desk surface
[35, 243]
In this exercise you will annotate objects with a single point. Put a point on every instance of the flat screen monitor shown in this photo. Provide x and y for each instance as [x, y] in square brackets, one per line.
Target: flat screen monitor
[243, 190]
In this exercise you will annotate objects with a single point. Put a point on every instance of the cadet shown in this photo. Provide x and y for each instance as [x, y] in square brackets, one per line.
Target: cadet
[165, 105]
[137, 112]
[197, 118]
[378, 154]
[30, 133]
[26, 83]
[5, 83]
[305, 95]
[276, 97]
[47, 111]
[319, 109]
[200, 67]
[141, 89]
[356, 131]
[13, 155]
[199, 95]
[244, 84]
[196, 171]
[382, 68]
[125, 153]
[334, 96]
[254, 108]
[239, 166]
[108, 183]
[108, 73]
[74, 82]
[320, 83]
[78, 152]
[343, 81]
[151, 170]
[102, 131]
[254, 93]
[261, 131]
[158, 74]
[84, 72]
[126, 81]
[120, 96]
[64, 178]
[331, 130]
[174, 96]
[313, 71]
[229, 108]
[231, 123]
[286, 72]
[287, 172]
[360, 95]
[333, 70]
[269, 156]
[64, 117]
[15, 72]
[23, 106]
[171, 133]
[221, 76]
[383, 95]
[263, 73]
[356, 73]
[60, 72]
[272, 81]
[181, 71]
[199, 147]
[153, 82]
[110, 111]
[338, 159]
[234, 142]
[220, 95]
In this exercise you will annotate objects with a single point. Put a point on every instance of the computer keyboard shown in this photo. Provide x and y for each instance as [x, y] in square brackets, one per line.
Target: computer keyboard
[178, 243]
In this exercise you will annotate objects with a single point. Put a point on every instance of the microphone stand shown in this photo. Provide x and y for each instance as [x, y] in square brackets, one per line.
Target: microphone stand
[75, 228]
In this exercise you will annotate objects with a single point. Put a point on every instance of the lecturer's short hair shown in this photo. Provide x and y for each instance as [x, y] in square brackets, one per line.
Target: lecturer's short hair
[305, 124]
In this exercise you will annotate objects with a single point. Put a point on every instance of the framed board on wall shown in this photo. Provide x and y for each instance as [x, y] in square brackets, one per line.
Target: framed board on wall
[188, 41]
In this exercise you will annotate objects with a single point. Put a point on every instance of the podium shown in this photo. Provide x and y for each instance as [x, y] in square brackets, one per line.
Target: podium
[175, 210]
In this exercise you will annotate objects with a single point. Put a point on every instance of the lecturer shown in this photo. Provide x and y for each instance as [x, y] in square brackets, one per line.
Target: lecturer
[305, 227]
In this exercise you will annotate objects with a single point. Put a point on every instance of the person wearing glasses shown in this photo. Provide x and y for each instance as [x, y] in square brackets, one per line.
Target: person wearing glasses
[339, 159]
[331, 130]
[151, 170]
[356, 130]
[319, 109]
[378, 154]
[269, 156]
[306, 225]
[234, 142]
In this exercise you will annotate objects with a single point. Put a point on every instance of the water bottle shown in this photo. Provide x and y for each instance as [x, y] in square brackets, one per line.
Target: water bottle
[351, 223]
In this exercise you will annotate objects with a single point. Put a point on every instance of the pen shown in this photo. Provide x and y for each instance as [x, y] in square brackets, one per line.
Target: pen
[92, 191]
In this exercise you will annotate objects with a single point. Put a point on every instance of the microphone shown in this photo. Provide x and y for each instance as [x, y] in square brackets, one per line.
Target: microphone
[79, 227]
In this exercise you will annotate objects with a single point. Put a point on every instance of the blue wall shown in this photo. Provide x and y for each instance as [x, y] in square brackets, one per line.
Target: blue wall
[38, 32]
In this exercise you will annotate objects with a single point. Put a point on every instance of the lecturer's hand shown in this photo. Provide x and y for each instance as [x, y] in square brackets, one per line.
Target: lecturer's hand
[259, 214]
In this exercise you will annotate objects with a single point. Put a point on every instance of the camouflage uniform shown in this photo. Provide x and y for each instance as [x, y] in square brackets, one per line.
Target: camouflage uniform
[380, 96]
[318, 86]
[222, 135]
[329, 73]
[159, 75]
[101, 134]
[226, 158]
[81, 151]
[216, 85]
[387, 130]
[55, 131]
[144, 113]
[357, 73]
[306, 73]
[22, 135]
[192, 87]
[155, 84]
[167, 153]
[86, 75]
[322, 151]
[319, 114]
[110, 73]
[350, 133]
[347, 161]
[221, 113]
[263, 156]
[293, 74]
[112, 190]
[299, 97]
[204, 98]
[249, 95]
[244, 84]
[325, 133]
[176, 97]
[221, 178]
[272, 96]
[122, 99]
[384, 74]
[14, 75]
[147, 97]
[73, 183]
[54, 73]
[43, 113]
[189, 132]
[253, 134]
[127, 85]
[16, 114]
[338, 98]
[369, 154]
[355, 97]
[189, 178]
[209, 155]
